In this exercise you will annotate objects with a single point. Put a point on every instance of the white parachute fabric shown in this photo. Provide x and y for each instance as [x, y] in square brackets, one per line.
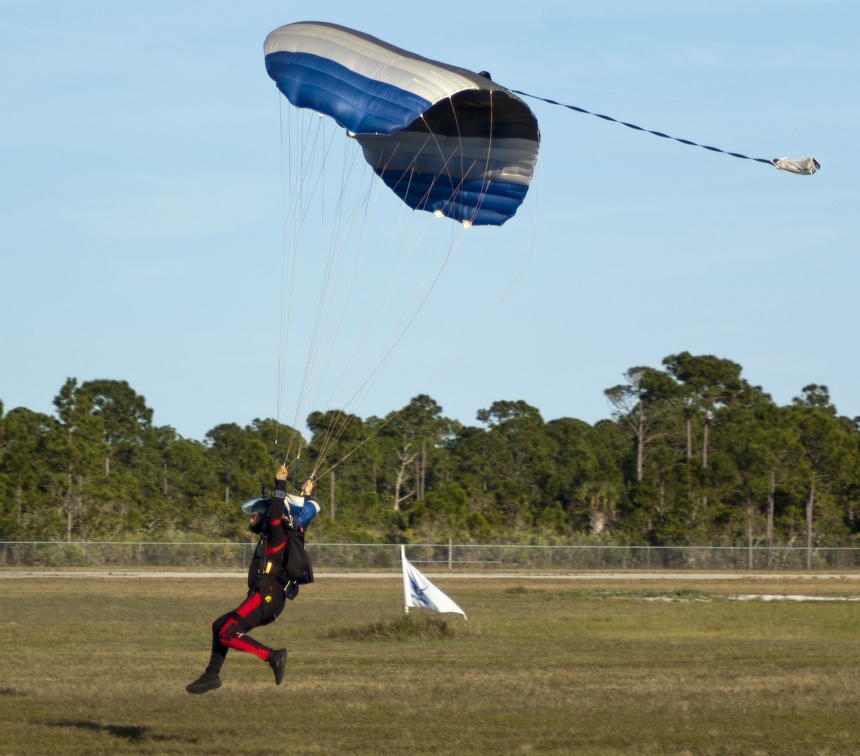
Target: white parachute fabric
[367, 85]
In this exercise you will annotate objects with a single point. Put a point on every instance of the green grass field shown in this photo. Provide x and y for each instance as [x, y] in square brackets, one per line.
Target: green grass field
[99, 665]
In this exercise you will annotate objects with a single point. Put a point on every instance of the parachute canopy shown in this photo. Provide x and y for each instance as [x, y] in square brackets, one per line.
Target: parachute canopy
[444, 139]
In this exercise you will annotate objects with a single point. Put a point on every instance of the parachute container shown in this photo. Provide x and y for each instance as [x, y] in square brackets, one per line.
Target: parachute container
[442, 138]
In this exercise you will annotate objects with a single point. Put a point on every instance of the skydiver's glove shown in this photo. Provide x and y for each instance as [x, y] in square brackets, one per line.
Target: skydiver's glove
[307, 488]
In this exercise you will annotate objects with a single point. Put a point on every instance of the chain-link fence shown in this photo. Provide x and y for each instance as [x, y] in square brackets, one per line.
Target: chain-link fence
[447, 556]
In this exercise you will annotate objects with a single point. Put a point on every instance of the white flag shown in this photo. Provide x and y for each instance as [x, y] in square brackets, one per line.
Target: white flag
[419, 592]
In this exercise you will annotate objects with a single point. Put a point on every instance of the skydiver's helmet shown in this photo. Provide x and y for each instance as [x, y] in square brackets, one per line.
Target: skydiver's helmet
[256, 506]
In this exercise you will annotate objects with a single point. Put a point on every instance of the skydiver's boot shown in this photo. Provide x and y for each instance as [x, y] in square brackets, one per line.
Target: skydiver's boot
[278, 663]
[207, 681]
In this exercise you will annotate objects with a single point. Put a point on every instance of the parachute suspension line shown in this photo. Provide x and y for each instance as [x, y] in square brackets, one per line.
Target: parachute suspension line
[282, 338]
[331, 252]
[408, 173]
[471, 337]
[322, 300]
[429, 191]
[462, 158]
[326, 314]
[806, 166]
[336, 427]
[446, 161]
[313, 86]
[305, 139]
[339, 422]
[486, 184]
[306, 146]
[288, 262]
[296, 202]
[315, 473]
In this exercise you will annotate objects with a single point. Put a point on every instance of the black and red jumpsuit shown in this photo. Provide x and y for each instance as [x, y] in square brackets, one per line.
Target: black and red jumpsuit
[265, 600]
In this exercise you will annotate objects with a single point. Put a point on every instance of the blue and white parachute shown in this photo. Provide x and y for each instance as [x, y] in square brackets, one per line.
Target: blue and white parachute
[444, 139]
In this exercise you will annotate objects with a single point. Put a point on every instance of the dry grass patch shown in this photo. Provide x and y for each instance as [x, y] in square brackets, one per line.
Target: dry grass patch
[405, 627]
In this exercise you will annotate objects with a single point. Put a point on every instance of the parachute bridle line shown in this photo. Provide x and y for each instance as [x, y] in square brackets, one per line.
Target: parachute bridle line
[775, 162]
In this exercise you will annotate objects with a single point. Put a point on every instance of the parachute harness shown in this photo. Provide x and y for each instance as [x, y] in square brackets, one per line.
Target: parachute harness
[805, 166]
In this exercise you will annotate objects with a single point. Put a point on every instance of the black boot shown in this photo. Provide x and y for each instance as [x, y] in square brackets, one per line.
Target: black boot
[206, 681]
[278, 662]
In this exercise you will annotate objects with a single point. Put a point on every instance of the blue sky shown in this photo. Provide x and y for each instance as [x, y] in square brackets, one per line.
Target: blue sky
[141, 221]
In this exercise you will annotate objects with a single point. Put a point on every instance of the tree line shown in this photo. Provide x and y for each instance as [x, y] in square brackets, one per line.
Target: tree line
[692, 454]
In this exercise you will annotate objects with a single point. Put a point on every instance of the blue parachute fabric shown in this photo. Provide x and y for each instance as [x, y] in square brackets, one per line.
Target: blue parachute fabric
[358, 103]
[471, 200]
[444, 139]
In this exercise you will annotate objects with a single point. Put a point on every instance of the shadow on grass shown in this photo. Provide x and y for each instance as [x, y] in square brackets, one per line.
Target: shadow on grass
[130, 733]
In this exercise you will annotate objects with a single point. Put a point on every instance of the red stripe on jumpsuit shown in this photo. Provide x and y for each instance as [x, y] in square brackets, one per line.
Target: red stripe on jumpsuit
[280, 542]
[270, 550]
[230, 638]
[276, 544]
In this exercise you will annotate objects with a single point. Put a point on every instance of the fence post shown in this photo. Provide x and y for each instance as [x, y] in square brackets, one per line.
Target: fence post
[450, 555]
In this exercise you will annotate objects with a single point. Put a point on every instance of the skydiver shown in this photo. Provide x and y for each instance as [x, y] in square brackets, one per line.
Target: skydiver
[281, 522]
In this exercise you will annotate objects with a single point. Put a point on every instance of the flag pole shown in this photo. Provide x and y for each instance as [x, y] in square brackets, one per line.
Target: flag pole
[403, 568]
